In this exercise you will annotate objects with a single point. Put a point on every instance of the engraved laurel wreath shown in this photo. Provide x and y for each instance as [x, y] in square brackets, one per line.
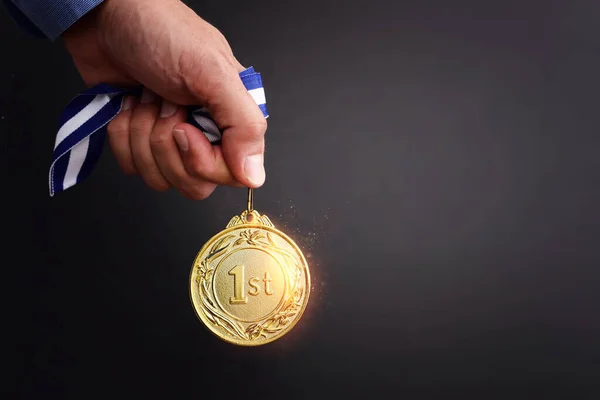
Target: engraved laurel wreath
[271, 325]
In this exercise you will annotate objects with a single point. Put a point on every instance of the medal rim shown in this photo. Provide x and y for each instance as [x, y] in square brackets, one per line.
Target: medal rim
[292, 324]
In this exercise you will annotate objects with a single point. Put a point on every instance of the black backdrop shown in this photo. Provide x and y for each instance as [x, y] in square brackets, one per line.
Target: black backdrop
[437, 161]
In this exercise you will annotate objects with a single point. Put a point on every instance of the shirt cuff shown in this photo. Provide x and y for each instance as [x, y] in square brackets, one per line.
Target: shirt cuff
[54, 17]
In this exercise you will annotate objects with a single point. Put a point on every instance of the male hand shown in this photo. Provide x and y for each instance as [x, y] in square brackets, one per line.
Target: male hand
[180, 59]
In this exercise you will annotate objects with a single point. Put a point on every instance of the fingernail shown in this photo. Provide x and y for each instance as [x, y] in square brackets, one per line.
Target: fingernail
[148, 96]
[254, 169]
[181, 139]
[127, 103]
[167, 109]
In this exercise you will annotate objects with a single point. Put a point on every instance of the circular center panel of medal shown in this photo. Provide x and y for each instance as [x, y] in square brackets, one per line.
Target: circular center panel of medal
[249, 284]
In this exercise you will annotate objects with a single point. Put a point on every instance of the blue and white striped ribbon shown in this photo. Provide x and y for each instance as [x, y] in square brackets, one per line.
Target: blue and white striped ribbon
[82, 132]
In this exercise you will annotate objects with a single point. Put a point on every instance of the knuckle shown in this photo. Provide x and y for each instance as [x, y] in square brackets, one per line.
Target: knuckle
[199, 195]
[116, 130]
[257, 129]
[201, 192]
[185, 194]
[156, 182]
[142, 125]
[196, 165]
[205, 71]
[197, 168]
[159, 138]
[159, 186]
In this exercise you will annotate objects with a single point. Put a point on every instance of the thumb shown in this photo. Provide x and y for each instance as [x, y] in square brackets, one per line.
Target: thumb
[243, 125]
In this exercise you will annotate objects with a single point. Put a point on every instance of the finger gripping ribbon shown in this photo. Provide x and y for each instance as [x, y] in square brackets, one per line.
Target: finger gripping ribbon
[80, 138]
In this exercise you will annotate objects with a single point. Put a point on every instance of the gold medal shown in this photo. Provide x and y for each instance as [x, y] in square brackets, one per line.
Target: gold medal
[250, 283]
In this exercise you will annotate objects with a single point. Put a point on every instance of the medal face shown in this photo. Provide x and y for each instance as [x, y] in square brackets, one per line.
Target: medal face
[250, 283]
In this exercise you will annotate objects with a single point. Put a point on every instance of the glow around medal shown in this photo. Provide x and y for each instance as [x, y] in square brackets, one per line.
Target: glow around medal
[250, 283]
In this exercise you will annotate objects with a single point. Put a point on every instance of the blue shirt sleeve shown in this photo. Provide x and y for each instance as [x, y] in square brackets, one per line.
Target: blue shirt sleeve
[21, 20]
[51, 18]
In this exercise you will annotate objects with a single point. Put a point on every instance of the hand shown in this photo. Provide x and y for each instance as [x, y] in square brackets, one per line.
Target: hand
[179, 59]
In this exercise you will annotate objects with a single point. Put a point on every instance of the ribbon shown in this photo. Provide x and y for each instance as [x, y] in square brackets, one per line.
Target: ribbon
[80, 138]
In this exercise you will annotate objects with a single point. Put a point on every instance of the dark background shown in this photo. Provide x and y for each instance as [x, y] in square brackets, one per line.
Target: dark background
[437, 161]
